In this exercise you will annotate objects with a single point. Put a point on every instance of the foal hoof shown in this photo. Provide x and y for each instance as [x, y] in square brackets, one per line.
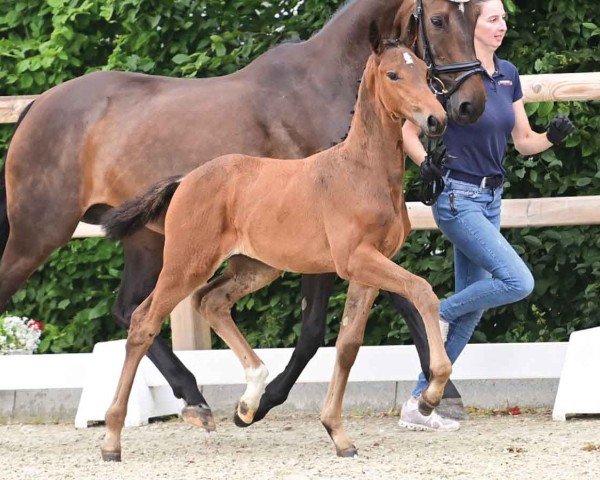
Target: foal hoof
[242, 417]
[110, 456]
[350, 452]
[425, 407]
[199, 416]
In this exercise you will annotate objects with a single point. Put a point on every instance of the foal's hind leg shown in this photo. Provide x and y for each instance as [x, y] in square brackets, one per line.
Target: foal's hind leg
[177, 280]
[354, 319]
[143, 261]
[243, 276]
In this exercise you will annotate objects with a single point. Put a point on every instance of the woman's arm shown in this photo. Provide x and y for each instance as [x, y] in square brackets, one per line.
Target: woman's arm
[527, 142]
[412, 145]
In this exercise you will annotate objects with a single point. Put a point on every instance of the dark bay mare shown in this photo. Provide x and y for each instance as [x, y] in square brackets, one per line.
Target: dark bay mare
[94, 142]
[340, 210]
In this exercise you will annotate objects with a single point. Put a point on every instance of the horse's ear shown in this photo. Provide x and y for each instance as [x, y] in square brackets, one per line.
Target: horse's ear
[375, 37]
[406, 27]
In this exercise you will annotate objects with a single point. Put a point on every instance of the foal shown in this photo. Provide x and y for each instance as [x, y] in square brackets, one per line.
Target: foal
[341, 210]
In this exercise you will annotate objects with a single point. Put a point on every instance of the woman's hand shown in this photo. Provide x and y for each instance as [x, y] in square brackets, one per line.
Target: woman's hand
[431, 168]
[560, 127]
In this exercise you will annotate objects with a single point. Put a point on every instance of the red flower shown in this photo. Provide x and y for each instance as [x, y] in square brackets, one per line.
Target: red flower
[36, 325]
[515, 411]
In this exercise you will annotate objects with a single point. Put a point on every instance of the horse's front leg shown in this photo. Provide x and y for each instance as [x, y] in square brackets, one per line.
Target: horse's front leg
[370, 267]
[356, 312]
[316, 290]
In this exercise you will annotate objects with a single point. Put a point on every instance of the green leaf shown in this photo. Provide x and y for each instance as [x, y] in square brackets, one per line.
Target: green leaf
[582, 182]
[531, 240]
[181, 58]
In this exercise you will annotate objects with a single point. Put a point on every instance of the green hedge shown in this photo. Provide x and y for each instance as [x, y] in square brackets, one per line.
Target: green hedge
[45, 43]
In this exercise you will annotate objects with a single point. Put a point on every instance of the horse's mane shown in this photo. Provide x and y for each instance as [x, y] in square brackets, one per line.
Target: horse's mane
[336, 14]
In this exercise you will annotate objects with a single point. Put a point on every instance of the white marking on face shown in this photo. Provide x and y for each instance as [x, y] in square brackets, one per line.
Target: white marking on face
[461, 7]
[304, 304]
[408, 59]
[255, 386]
[345, 321]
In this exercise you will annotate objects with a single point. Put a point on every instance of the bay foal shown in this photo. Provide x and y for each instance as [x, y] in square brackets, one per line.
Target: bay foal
[341, 210]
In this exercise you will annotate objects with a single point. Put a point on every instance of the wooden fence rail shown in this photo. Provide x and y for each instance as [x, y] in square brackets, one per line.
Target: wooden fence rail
[190, 332]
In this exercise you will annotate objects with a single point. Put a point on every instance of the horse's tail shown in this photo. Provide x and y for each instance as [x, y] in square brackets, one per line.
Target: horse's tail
[125, 220]
[4, 226]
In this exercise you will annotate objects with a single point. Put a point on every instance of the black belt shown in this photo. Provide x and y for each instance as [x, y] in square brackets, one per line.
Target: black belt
[482, 182]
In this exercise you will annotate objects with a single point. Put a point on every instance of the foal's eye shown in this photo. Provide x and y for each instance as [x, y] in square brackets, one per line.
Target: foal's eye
[393, 76]
[437, 22]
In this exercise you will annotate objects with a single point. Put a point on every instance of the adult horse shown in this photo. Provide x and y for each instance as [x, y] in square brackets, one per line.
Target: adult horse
[341, 210]
[96, 141]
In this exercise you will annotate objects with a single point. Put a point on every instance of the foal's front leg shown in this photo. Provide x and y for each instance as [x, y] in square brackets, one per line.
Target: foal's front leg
[370, 267]
[356, 312]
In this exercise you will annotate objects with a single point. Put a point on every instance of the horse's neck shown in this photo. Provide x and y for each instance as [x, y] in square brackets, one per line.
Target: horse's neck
[345, 38]
[374, 137]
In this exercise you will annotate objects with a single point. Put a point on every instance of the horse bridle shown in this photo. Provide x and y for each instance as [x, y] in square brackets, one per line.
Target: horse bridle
[430, 191]
[435, 83]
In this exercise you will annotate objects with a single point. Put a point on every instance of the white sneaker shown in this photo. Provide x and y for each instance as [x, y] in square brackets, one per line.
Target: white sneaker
[412, 419]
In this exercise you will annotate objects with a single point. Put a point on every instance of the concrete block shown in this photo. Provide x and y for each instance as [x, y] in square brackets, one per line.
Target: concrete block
[7, 404]
[579, 390]
[46, 406]
[309, 397]
[532, 393]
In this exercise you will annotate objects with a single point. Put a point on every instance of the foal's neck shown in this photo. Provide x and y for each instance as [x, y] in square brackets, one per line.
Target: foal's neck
[374, 137]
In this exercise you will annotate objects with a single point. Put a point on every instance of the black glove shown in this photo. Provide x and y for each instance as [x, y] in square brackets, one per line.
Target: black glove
[560, 127]
[431, 167]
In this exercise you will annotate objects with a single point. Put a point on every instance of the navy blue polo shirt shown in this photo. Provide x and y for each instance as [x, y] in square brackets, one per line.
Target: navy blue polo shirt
[479, 149]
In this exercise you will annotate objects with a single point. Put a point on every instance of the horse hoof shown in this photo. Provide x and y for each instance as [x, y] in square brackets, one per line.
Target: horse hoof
[348, 452]
[242, 417]
[199, 416]
[111, 456]
[239, 422]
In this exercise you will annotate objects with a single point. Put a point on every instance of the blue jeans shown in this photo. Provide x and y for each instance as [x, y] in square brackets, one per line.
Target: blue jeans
[488, 272]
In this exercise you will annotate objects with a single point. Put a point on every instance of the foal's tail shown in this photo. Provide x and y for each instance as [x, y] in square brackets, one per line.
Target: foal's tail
[4, 226]
[134, 214]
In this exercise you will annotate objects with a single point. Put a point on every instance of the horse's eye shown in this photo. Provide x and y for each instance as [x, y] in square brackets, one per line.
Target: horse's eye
[393, 76]
[437, 22]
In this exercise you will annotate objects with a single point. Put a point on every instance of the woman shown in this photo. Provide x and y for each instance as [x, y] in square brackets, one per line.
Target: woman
[488, 272]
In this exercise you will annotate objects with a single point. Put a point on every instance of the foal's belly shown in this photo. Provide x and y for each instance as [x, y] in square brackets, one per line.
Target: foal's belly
[295, 244]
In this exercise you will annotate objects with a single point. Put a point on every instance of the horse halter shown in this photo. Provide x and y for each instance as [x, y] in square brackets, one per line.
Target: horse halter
[435, 83]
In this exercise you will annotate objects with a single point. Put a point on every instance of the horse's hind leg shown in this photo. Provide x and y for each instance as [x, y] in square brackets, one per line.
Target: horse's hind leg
[143, 261]
[243, 276]
[32, 238]
[354, 319]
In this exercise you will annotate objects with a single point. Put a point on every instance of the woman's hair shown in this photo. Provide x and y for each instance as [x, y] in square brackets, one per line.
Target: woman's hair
[477, 4]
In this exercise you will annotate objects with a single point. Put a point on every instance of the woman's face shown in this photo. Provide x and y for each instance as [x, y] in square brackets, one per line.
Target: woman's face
[491, 24]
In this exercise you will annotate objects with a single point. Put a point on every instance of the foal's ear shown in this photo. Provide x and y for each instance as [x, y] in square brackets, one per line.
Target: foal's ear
[375, 37]
[406, 27]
